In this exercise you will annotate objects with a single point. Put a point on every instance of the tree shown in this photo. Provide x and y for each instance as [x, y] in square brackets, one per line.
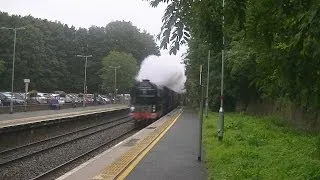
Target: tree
[126, 72]
[46, 52]
[124, 37]
[272, 47]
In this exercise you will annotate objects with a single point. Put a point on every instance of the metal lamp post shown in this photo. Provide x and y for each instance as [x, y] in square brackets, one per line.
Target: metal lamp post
[207, 93]
[201, 115]
[85, 77]
[115, 80]
[221, 111]
[13, 59]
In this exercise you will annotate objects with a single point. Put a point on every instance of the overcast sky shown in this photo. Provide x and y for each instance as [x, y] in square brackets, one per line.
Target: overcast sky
[85, 13]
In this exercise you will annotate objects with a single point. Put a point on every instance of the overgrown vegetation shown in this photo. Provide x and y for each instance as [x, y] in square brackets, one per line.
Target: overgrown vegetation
[272, 48]
[259, 148]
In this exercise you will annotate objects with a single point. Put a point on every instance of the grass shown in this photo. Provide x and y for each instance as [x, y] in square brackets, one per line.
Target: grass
[259, 148]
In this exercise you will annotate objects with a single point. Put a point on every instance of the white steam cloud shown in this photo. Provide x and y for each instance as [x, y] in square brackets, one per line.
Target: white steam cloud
[163, 71]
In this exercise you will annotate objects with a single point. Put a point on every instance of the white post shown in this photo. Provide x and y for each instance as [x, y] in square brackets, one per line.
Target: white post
[26, 82]
[12, 75]
[85, 82]
[85, 77]
[115, 84]
[115, 81]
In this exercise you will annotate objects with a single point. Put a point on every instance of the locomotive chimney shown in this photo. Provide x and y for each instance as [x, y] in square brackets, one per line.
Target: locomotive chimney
[146, 80]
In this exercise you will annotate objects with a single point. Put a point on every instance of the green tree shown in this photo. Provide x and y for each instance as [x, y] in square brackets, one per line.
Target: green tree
[124, 37]
[126, 72]
[272, 47]
[118, 36]
[46, 52]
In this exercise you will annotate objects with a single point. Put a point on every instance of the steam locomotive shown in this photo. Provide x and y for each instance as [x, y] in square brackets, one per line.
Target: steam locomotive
[149, 101]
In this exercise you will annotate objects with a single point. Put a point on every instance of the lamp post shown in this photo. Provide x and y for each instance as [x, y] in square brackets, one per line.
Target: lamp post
[85, 77]
[221, 111]
[115, 80]
[207, 93]
[201, 115]
[13, 59]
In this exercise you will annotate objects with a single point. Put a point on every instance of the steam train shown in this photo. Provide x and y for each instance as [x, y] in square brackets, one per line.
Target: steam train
[149, 101]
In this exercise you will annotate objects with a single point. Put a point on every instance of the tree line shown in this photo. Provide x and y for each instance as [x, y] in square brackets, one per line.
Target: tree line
[272, 48]
[46, 54]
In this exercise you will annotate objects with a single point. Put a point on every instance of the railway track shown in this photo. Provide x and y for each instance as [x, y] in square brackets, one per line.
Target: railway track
[85, 140]
[14, 154]
[53, 170]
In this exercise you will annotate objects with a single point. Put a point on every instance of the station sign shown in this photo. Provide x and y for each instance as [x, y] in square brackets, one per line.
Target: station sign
[26, 80]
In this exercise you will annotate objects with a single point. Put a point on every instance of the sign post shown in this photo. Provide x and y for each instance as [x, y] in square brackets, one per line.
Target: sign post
[26, 82]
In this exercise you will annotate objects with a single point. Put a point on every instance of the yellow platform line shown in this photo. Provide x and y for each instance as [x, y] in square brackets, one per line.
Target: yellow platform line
[120, 168]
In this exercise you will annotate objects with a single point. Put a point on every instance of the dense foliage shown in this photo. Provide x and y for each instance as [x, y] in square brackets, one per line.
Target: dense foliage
[125, 78]
[46, 52]
[272, 47]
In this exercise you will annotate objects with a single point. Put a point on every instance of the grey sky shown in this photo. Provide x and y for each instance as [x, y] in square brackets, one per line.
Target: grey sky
[84, 13]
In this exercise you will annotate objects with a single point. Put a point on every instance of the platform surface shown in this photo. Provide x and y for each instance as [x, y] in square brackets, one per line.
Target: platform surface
[33, 116]
[175, 156]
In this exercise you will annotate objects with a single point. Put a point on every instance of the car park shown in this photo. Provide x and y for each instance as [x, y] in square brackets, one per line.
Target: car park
[16, 101]
[35, 97]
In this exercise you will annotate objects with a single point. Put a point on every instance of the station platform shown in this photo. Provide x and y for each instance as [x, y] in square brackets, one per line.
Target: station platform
[20, 118]
[166, 149]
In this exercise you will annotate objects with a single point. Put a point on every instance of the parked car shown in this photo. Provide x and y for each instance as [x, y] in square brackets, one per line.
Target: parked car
[102, 99]
[69, 98]
[15, 100]
[42, 98]
[61, 93]
[75, 98]
[19, 95]
[5, 101]
[88, 98]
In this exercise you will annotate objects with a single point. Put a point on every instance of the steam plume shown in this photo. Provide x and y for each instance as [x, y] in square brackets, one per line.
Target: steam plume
[163, 71]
